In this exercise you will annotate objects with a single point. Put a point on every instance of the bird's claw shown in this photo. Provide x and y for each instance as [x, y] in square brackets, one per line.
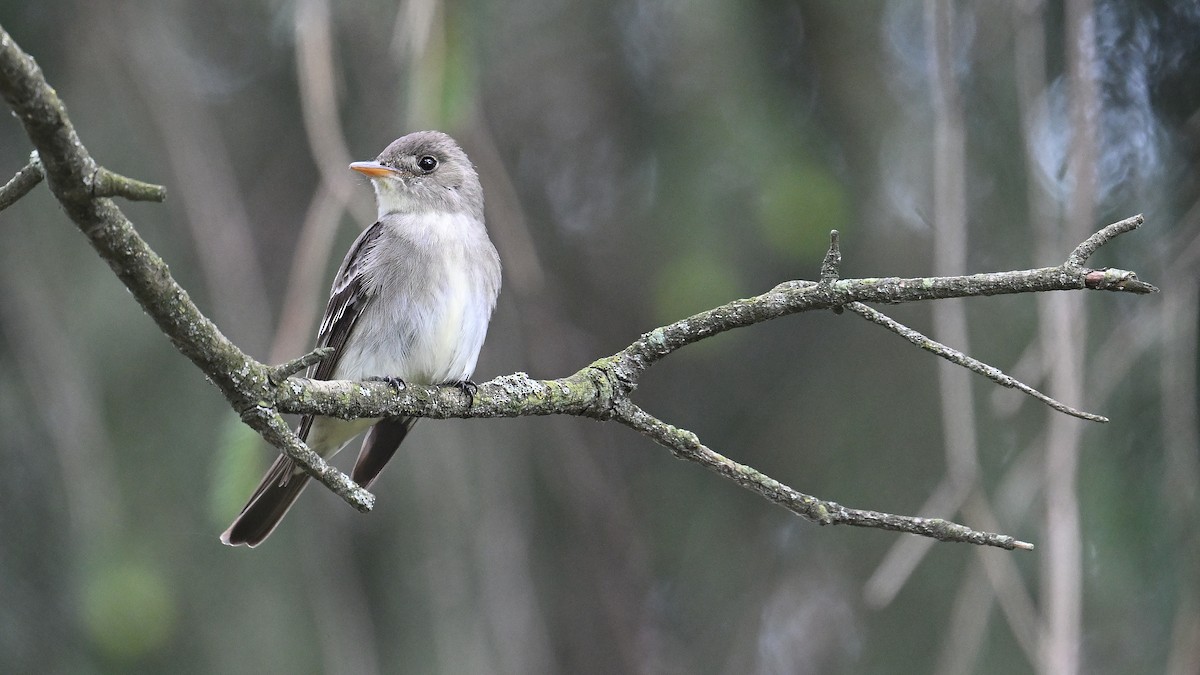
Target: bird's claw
[394, 382]
[467, 387]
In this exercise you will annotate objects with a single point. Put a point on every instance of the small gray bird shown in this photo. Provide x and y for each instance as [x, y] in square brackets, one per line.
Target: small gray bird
[411, 301]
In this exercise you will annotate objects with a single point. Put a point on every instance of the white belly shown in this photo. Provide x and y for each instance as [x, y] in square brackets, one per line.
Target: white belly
[422, 328]
[431, 297]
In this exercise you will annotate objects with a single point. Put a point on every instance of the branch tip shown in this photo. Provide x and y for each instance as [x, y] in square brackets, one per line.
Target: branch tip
[1109, 279]
[107, 183]
[972, 364]
[1106, 234]
[686, 445]
[25, 180]
[831, 265]
[287, 369]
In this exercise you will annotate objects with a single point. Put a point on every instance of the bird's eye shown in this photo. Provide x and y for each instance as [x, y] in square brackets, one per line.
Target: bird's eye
[427, 163]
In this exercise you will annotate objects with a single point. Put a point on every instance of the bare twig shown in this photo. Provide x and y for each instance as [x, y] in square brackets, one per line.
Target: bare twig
[1082, 252]
[831, 265]
[954, 356]
[271, 425]
[285, 370]
[105, 183]
[685, 445]
[796, 296]
[25, 180]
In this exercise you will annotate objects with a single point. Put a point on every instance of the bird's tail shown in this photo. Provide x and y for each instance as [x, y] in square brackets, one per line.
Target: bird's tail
[378, 447]
[274, 496]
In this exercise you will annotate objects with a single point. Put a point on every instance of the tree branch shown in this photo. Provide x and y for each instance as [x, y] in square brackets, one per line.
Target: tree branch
[105, 183]
[25, 180]
[271, 426]
[285, 370]
[1093, 243]
[685, 445]
[956, 357]
[600, 390]
[70, 172]
[595, 390]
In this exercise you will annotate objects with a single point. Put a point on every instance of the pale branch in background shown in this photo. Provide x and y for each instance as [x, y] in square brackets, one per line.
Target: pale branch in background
[601, 390]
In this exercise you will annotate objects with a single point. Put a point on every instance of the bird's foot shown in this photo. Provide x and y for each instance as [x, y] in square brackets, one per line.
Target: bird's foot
[394, 382]
[469, 388]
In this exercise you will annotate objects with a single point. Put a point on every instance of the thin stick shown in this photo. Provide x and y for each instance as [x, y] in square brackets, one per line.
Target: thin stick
[25, 180]
[956, 357]
[685, 445]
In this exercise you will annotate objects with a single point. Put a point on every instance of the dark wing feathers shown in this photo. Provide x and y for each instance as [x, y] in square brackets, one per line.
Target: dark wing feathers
[346, 301]
[279, 487]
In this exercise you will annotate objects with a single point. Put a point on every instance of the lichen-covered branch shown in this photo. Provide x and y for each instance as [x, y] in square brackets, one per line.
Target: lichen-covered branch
[83, 188]
[601, 390]
[792, 297]
[595, 390]
[271, 426]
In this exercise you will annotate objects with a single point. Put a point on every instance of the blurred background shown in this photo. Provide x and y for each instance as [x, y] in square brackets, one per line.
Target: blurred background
[642, 160]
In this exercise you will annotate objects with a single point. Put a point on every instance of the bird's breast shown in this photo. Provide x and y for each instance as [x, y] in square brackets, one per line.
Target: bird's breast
[432, 299]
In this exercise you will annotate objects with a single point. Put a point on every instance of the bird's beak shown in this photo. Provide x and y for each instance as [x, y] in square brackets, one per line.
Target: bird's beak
[373, 169]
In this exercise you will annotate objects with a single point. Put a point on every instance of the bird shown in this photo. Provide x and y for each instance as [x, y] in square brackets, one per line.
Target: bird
[410, 303]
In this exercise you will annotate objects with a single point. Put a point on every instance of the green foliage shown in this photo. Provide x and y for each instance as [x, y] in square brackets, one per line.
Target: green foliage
[798, 206]
[128, 609]
[695, 279]
[238, 468]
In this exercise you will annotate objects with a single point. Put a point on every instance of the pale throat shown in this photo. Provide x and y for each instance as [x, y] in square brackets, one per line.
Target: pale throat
[390, 198]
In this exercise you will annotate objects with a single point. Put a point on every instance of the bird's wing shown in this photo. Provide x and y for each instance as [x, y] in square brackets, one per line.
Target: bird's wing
[280, 487]
[347, 299]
